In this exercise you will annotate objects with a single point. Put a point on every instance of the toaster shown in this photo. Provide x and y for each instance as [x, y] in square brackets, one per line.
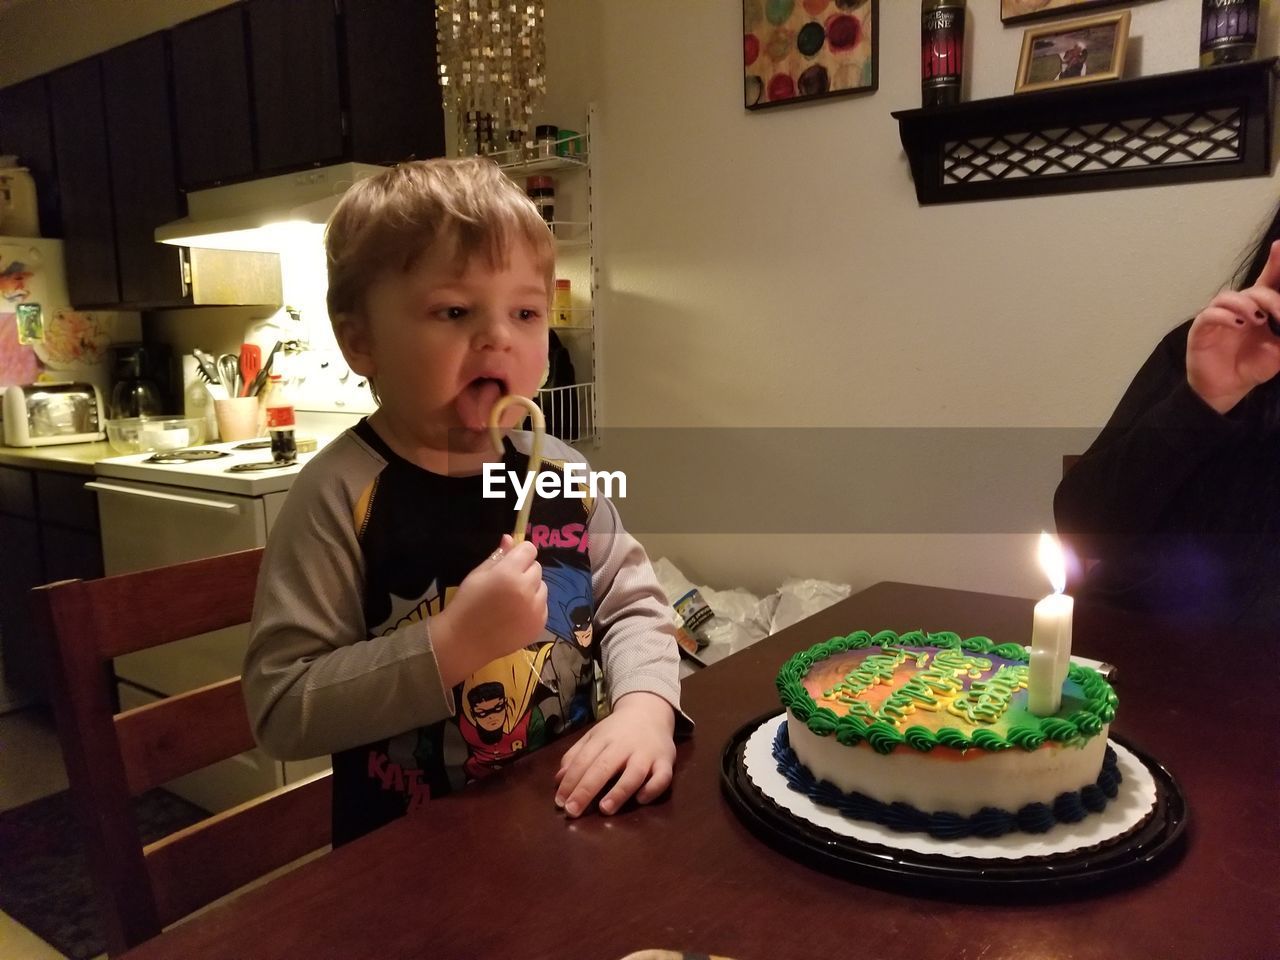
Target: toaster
[41, 414]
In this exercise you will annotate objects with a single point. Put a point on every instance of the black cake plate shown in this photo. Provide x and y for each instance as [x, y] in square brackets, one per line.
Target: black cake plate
[1128, 859]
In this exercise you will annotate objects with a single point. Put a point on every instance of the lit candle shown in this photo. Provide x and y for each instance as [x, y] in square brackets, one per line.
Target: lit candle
[1050, 635]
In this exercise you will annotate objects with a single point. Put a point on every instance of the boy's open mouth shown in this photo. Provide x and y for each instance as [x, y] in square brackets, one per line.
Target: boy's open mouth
[477, 399]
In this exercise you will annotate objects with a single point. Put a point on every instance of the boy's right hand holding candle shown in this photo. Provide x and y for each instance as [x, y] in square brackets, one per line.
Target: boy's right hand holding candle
[500, 607]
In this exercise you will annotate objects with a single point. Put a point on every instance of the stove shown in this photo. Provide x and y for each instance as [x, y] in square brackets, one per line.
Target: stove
[243, 468]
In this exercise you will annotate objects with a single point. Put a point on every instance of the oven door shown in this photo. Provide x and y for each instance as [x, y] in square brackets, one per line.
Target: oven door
[151, 525]
[148, 525]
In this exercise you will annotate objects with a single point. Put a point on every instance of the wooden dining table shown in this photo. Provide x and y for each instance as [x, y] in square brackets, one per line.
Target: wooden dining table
[497, 871]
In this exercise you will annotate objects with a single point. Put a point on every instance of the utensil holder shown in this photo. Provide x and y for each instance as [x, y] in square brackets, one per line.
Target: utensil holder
[238, 418]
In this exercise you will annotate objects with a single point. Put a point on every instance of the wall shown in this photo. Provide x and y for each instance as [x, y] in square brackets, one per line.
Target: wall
[41, 35]
[772, 269]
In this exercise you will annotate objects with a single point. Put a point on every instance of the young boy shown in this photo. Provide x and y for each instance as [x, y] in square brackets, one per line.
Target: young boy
[396, 625]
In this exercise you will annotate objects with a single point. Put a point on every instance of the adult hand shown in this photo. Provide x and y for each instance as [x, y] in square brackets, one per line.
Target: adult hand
[633, 743]
[1231, 347]
[500, 607]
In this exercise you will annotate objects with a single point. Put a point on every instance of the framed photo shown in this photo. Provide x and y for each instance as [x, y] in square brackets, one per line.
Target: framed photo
[1080, 51]
[1020, 11]
[799, 50]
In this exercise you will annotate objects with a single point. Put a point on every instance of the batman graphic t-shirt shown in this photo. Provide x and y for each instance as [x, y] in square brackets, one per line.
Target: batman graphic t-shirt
[420, 534]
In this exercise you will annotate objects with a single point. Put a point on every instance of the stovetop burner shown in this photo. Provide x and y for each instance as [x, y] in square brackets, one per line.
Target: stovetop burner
[192, 455]
[258, 465]
[264, 444]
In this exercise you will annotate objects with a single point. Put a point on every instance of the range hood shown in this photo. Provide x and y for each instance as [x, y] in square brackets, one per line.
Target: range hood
[268, 215]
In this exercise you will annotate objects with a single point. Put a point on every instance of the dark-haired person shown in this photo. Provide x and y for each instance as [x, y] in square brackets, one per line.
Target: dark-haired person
[1178, 499]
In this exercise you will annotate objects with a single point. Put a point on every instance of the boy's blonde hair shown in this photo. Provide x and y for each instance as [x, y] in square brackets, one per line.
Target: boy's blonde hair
[446, 209]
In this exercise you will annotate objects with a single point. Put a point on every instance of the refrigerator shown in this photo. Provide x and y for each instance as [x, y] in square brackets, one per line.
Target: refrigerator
[42, 339]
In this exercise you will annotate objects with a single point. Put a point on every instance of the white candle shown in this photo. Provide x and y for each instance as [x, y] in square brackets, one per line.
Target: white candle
[1050, 635]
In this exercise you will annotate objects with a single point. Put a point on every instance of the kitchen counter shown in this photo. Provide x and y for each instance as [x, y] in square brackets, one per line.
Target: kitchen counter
[64, 457]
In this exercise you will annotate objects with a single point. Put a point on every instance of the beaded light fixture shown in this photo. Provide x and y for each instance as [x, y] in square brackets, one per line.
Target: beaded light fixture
[492, 54]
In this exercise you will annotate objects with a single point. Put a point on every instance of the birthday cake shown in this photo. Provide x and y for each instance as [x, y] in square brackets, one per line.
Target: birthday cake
[932, 733]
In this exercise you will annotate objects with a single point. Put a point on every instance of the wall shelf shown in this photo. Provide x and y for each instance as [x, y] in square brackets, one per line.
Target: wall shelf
[572, 410]
[1185, 127]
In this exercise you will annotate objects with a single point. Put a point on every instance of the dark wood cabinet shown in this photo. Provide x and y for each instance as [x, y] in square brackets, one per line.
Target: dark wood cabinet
[49, 529]
[23, 570]
[393, 94]
[211, 98]
[293, 51]
[144, 184]
[270, 86]
[70, 554]
[258, 88]
[84, 182]
[25, 131]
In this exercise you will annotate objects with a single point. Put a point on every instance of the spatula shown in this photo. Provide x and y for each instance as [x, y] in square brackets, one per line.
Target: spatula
[250, 365]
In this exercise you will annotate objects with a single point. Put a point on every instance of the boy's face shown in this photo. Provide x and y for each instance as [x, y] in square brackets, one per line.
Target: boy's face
[444, 346]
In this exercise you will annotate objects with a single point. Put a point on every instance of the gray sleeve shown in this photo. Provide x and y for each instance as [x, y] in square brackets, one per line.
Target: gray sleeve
[314, 683]
[638, 645]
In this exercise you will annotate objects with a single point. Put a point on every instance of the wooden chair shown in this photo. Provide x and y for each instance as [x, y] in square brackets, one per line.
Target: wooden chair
[112, 758]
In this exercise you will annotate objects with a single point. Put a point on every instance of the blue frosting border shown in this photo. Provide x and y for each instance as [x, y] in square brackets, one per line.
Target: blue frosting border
[1070, 807]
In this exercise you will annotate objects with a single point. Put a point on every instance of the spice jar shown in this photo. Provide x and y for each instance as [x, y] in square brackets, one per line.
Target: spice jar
[546, 135]
[542, 191]
[562, 305]
[569, 144]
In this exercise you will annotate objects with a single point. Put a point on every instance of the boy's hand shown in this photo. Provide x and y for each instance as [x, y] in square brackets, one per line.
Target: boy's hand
[635, 741]
[500, 607]
[1230, 349]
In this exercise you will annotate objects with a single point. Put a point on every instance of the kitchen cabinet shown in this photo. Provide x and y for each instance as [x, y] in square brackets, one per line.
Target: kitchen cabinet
[23, 569]
[308, 83]
[214, 125]
[84, 182]
[144, 184]
[49, 528]
[253, 89]
[393, 94]
[293, 49]
[26, 131]
[118, 175]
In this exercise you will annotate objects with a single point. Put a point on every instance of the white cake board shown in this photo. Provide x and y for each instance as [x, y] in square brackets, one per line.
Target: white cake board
[1130, 808]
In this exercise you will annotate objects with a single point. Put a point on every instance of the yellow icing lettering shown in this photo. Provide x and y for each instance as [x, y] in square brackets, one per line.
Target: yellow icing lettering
[986, 701]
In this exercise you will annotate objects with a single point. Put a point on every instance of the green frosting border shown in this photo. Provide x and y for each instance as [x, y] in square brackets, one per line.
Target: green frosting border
[1085, 723]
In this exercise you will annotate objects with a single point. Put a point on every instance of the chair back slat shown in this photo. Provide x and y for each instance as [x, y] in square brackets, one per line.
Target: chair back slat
[110, 759]
[205, 861]
[79, 685]
[169, 738]
[149, 608]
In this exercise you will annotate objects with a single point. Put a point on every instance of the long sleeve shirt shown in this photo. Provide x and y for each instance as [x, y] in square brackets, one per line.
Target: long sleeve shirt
[369, 546]
[1180, 505]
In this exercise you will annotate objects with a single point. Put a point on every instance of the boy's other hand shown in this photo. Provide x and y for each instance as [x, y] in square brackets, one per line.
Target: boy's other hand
[1231, 349]
[633, 743]
[500, 607]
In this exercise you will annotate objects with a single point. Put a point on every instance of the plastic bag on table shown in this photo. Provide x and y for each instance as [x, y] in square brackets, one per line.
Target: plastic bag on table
[737, 617]
[798, 599]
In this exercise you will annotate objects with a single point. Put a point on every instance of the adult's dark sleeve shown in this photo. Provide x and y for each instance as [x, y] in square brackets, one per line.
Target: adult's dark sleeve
[1158, 436]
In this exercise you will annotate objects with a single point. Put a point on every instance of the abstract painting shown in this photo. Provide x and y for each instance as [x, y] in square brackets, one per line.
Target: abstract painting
[798, 50]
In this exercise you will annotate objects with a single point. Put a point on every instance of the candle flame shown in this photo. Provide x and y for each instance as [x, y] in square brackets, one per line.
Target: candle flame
[1053, 562]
